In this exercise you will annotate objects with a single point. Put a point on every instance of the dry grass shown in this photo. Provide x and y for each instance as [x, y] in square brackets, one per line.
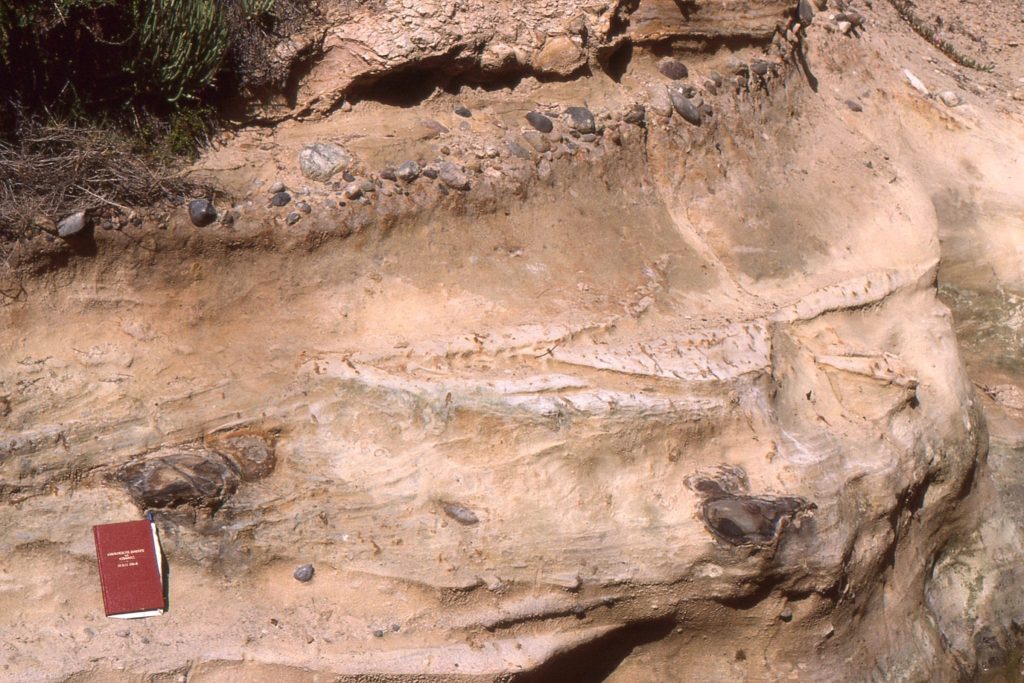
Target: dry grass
[50, 171]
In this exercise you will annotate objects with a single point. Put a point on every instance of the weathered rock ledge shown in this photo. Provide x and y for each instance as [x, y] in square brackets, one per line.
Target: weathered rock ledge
[669, 401]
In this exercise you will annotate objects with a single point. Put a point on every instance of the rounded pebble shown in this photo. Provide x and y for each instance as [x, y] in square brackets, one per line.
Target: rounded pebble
[304, 573]
[950, 98]
[452, 176]
[540, 122]
[581, 119]
[280, 199]
[76, 223]
[460, 514]
[673, 68]
[408, 172]
[200, 212]
[685, 107]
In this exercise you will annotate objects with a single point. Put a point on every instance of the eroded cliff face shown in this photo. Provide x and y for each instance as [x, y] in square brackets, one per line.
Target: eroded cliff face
[640, 399]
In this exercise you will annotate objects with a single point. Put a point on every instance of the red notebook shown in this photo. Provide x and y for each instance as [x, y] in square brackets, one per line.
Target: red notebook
[131, 569]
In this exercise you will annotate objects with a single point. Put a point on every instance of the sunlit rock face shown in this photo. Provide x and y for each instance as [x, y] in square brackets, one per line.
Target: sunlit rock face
[669, 402]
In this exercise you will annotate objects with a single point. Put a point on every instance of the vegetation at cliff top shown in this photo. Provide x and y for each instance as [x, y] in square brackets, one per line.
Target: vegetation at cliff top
[110, 61]
[103, 98]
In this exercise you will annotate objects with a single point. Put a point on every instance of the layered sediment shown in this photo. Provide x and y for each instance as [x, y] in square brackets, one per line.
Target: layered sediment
[660, 393]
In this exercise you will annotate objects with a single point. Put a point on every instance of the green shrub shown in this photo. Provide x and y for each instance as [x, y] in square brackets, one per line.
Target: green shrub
[101, 56]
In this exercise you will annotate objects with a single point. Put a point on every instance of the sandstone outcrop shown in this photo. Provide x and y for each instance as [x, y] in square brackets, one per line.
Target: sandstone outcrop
[597, 394]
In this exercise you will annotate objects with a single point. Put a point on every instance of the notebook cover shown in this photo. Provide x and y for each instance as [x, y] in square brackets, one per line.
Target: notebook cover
[129, 572]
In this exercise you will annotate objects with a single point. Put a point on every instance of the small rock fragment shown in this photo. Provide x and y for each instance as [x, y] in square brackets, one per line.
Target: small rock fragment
[673, 68]
[293, 218]
[379, 633]
[321, 160]
[759, 67]
[276, 187]
[304, 573]
[249, 452]
[280, 199]
[844, 27]
[560, 56]
[950, 98]
[454, 177]
[430, 172]
[636, 115]
[685, 107]
[463, 111]
[804, 12]
[201, 212]
[786, 614]
[659, 99]
[537, 140]
[570, 581]
[854, 105]
[461, 514]
[408, 172]
[855, 19]
[915, 82]
[304, 207]
[581, 119]
[544, 170]
[75, 224]
[517, 150]
[353, 191]
[388, 174]
[429, 128]
[540, 122]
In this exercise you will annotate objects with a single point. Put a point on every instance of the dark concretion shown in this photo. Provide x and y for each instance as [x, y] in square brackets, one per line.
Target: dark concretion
[749, 520]
[737, 518]
[196, 478]
[200, 476]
